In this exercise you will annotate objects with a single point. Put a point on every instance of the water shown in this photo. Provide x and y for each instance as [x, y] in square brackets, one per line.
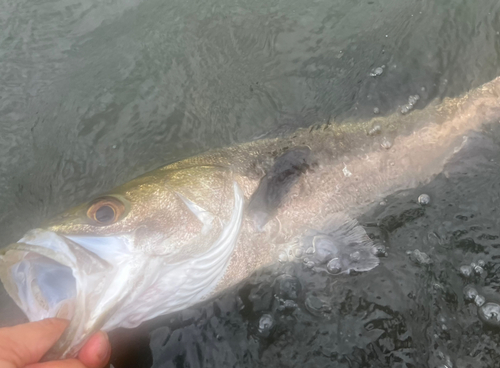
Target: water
[94, 93]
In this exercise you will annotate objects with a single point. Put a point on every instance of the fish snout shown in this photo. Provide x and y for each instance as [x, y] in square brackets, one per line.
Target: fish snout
[49, 275]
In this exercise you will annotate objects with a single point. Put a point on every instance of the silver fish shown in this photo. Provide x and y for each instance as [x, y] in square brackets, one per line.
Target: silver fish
[190, 230]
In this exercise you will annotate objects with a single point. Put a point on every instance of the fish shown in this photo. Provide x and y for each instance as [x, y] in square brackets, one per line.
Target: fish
[188, 231]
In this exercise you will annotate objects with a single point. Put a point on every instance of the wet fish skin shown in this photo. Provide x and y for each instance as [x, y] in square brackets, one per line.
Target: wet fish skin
[190, 218]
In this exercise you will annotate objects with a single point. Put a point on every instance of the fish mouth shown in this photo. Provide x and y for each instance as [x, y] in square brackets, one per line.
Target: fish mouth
[49, 275]
[42, 284]
[39, 273]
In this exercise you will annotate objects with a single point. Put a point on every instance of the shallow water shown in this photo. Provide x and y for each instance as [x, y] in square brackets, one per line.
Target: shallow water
[94, 93]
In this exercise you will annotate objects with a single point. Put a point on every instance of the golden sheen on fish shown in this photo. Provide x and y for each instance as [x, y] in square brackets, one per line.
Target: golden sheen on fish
[185, 232]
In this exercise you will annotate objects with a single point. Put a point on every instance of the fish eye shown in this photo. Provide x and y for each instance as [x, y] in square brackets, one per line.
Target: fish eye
[105, 210]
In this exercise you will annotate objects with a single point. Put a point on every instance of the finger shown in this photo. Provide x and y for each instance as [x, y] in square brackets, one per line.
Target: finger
[67, 363]
[96, 351]
[25, 344]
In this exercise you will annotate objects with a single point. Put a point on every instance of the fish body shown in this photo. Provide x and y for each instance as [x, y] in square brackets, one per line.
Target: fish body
[190, 230]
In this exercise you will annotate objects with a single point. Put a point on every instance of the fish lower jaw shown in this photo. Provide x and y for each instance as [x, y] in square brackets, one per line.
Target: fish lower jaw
[42, 286]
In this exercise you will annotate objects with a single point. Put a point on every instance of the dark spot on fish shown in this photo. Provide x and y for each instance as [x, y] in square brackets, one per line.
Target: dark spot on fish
[277, 183]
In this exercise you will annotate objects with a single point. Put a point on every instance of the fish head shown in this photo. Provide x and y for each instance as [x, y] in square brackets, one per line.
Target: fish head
[155, 245]
[171, 213]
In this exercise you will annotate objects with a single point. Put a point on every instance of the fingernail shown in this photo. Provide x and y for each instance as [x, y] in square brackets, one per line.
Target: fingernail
[104, 350]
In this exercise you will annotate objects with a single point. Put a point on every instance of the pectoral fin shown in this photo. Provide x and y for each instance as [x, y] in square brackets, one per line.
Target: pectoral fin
[341, 246]
[277, 183]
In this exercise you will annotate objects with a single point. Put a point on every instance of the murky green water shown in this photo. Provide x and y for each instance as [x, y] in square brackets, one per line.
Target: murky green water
[94, 93]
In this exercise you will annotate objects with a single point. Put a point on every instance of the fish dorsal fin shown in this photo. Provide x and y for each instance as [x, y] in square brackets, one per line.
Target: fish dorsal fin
[277, 183]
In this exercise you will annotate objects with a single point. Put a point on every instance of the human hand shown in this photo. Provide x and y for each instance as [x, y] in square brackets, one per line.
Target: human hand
[24, 345]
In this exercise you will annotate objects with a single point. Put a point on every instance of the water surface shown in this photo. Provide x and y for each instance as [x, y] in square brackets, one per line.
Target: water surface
[94, 93]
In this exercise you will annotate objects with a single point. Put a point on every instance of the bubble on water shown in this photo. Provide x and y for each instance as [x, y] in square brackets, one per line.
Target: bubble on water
[114, 146]
[478, 269]
[266, 324]
[355, 256]
[379, 250]
[479, 300]
[424, 199]
[470, 293]
[334, 266]
[375, 130]
[308, 263]
[466, 271]
[325, 248]
[287, 287]
[376, 110]
[316, 306]
[412, 100]
[298, 253]
[489, 313]
[419, 257]
[405, 109]
[386, 143]
[377, 71]
[283, 257]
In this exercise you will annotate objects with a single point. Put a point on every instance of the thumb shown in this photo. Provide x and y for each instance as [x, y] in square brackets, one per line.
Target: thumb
[96, 351]
[94, 354]
[27, 343]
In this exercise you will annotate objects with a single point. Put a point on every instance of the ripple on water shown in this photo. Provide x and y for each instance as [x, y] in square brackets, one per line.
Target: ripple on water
[424, 199]
[266, 325]
[489, 313]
